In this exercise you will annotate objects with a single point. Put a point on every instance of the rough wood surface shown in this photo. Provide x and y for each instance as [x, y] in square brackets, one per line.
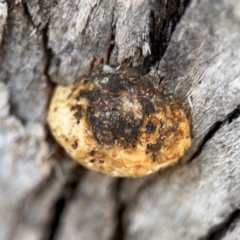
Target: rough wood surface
[44, 195]
[3, 18]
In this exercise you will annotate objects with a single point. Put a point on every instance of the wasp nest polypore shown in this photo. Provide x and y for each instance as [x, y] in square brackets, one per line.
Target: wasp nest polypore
[120, 125]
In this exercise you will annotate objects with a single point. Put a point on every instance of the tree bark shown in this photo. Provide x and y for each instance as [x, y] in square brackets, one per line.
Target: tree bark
[187, 49]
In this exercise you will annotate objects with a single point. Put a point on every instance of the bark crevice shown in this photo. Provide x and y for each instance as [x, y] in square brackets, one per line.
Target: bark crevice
[120, 208]
[48, 52]
[216, 127]
[228, 225]
[64, 199]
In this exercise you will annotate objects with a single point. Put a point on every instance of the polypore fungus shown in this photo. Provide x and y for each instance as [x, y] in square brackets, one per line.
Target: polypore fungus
[120, 125]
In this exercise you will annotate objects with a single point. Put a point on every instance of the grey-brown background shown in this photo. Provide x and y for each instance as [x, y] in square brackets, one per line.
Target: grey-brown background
[190, 49]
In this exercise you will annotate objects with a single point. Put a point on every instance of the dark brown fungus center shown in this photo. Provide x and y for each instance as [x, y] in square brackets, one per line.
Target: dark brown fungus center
[117, 110]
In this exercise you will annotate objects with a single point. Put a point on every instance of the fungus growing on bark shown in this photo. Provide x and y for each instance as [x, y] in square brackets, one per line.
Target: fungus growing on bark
[119, 125]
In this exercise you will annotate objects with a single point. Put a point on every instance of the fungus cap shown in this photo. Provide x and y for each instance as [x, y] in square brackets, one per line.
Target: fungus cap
[120, 126]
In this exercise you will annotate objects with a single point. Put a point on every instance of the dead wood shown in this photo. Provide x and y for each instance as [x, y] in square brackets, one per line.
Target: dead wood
[190, 50]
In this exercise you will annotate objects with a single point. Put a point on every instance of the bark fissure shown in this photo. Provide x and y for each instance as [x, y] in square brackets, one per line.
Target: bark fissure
[27, 13]
[233, 115]
[64, 199]
[206, 138]
[167, 26]
[112, 39]
[121, 206]
[228, 225]
[48, 42]
[216, 127]
[48, 52]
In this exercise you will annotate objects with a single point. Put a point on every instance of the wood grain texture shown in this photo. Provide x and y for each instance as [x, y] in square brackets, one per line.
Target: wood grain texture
[86, 35]
[91, 201]
[19, 173]
[199, 195]
[22, 66]
[42, 194]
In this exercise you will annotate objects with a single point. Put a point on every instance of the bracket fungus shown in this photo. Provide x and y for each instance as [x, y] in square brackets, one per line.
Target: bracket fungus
[119, 125]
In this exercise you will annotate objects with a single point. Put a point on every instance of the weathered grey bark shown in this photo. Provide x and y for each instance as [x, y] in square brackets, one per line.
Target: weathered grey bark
[44, 194]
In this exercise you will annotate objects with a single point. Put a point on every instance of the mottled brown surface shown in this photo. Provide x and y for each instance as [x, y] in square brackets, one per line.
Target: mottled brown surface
[119, 125]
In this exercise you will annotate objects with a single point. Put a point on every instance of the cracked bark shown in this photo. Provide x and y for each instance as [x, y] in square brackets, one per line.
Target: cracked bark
[44, 194]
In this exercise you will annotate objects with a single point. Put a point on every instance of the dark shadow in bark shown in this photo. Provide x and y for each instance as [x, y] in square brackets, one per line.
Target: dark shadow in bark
[62, 201]
[119, 231]
[220, 231]
[227, 120]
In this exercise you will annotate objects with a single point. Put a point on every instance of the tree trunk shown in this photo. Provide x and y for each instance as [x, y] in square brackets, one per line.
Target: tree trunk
[188, 49]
